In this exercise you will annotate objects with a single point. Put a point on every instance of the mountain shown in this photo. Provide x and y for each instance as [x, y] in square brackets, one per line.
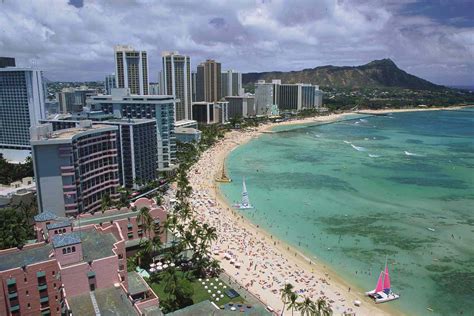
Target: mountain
[376, 74]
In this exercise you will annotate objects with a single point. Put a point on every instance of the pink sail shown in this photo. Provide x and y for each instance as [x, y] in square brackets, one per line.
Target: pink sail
[379, 286]
[386, 281]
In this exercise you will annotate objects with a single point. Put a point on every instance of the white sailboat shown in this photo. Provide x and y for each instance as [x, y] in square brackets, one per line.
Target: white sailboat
[382, 292]
[245, 203]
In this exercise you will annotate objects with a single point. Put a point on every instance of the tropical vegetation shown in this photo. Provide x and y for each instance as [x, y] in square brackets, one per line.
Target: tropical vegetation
[292, 301]
[15, 227]
[10, 172]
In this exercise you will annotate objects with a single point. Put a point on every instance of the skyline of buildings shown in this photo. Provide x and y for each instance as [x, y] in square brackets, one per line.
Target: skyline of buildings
[72, 100]
[287, 97]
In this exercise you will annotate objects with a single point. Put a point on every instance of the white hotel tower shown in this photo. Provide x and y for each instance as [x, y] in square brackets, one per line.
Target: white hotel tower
[176, 81]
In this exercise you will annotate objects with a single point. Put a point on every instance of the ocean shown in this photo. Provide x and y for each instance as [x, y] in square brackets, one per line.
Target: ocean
[351, 193]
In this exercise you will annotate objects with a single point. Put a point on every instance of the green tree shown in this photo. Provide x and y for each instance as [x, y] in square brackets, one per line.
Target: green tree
[322, 308]
[292, 298]
[285, 294]
[307, 307]
[178, 289]
[14, 229]
[105, 202]
[145, 219]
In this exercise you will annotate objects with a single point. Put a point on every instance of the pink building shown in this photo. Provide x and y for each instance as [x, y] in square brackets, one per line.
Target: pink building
[74, 261]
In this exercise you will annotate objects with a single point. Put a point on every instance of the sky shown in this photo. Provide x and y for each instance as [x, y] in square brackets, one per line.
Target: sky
[73, 40]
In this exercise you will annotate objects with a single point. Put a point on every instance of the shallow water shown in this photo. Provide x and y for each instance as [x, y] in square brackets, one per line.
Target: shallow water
[353, 192]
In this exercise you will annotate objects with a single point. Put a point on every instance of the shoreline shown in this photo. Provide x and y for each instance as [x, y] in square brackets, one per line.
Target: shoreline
[335, 290]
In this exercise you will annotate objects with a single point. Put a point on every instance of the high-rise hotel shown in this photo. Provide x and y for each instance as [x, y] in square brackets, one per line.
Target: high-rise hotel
[122, 105]
[208, 81]
[22, 104]
[288, 97]
[75, 168]
[176, 81]
[131, 69]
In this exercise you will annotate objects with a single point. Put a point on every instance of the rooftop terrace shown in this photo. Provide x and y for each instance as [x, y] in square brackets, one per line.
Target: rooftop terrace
[25, 257]
[136, 284]
[110, 302]
[96, 245]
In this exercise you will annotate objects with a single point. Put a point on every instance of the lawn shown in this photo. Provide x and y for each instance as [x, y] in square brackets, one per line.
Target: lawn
[200, 292]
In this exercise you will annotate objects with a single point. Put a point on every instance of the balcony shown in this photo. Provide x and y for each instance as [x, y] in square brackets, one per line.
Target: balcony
[44, 299]
[14, 308]
[13, 295]
[42, 287]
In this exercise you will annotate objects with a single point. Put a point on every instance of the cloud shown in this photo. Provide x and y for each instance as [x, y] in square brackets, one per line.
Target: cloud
[73, 40]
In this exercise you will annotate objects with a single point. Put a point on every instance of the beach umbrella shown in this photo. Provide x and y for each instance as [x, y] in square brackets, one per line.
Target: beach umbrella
[217, 299]
[216, 279]
[219, 292]
[220, 283]
[233, 308]
[224, 287]
[222, 295]
[215, 287]
[152, 265]
[203, 283]
[159, 268]
[165, 266]
[152, 270]
[199, 279]
[213, 294]
[172, 264]
[208, 291]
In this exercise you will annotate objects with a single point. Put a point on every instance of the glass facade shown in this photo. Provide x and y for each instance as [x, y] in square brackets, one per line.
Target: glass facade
[21, 106]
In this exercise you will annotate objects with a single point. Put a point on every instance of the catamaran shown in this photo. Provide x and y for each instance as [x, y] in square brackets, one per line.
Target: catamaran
[382, 292]
[245, 203]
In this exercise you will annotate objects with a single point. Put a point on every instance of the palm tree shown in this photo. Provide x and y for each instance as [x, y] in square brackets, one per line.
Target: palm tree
[321, 306]
[209, 234]
[285, 294]
[145, 219]
[292, 301]
[215, 267]
[105, 202]
[307, 307]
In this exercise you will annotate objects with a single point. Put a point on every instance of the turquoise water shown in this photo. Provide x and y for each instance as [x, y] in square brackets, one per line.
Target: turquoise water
[317, 188]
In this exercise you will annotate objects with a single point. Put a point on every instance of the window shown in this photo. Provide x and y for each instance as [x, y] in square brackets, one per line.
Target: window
[29, 305]
[73, 249]
[27, 293]
[53, 272]
[64, 251]
[25, 279]
[68, 249]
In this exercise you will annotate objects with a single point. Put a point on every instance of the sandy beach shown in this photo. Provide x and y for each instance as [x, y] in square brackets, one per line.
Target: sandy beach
[258, 261]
